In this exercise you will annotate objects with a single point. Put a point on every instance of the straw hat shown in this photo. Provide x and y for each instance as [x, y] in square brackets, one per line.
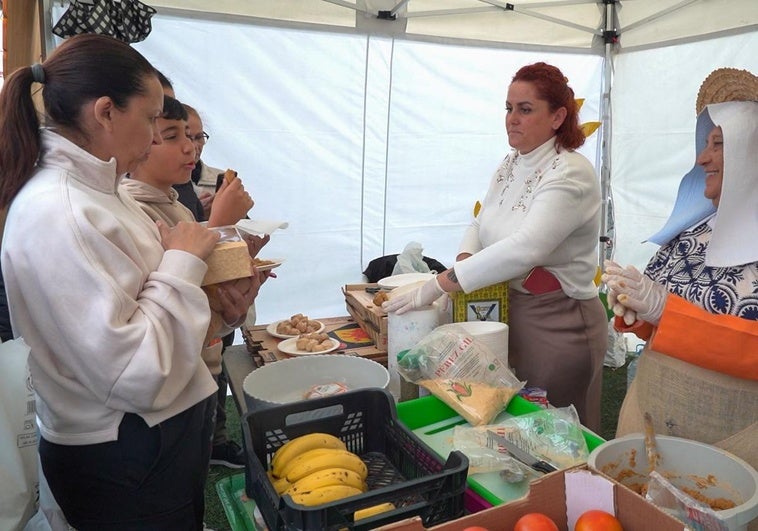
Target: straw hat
[727, 84]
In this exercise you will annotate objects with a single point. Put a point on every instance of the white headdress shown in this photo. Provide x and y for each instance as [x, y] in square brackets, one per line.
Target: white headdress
[728, 98]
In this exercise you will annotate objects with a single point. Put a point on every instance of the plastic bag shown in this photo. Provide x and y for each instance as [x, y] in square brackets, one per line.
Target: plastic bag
[553, 435]
[473, 442]
[462, 372]
[696, 515]
[615, 356]
[18, 433]
[411, 260]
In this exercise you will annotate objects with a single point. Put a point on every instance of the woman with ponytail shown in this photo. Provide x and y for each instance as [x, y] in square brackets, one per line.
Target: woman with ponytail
[109, 302]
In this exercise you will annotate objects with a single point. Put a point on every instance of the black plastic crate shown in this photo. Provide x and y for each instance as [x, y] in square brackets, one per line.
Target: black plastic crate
[402, 469]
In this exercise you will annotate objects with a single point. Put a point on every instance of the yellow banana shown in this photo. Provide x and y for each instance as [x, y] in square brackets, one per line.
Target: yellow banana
[305, 456]
[298, 445]
[325, 494]
[326, 477]
[281, 485]
[371, 511]
[332, 459]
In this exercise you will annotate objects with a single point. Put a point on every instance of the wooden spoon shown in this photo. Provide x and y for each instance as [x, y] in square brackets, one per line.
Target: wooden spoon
[653, 457]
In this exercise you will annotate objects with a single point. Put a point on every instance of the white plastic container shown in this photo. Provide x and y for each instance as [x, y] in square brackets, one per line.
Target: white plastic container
[494, 334]
[403, 332]
[683, 461]
[289, 380]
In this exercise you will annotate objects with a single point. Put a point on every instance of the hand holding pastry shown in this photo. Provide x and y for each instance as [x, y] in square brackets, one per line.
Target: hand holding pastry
[637, 292]
[231, 203]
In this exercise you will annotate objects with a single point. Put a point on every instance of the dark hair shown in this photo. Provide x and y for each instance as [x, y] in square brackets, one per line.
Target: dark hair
[173, 109]
[165, 82]
[552, 86]
[191, 110]
[83, 68]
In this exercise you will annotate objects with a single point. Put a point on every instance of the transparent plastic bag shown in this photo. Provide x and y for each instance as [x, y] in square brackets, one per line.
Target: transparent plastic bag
[411, 260]
[473, 442]
[695, 514]
[553, 435]
[462, 372]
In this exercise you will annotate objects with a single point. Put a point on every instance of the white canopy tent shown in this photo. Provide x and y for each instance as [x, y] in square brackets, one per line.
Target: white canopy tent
[366, 133]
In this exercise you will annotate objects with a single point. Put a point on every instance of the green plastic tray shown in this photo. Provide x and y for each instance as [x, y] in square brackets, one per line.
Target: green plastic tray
[237, 506]
[429, 410]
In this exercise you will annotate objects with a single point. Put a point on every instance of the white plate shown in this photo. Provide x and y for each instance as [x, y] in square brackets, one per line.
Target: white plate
[271, 329]
[289, 346]
[275, 262]
[395, 281]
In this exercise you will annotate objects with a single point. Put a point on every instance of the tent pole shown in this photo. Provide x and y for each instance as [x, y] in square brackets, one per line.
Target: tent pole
[46, 27]
[607, 224]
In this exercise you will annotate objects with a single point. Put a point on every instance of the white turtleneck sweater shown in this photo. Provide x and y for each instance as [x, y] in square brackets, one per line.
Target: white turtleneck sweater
[541, 209]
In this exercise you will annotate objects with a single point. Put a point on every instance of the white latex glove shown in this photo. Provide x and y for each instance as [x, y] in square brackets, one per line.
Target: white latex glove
[423, 296]
[618, 309]
[637, 292]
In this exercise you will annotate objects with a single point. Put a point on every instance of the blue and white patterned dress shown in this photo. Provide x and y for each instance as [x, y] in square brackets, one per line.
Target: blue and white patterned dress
[680, 266]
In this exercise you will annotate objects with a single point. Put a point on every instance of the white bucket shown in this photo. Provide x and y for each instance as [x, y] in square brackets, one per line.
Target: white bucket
[493, 334]
[684, 461]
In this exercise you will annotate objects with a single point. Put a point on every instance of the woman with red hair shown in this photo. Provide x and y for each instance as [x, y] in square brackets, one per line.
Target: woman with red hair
[538, 229]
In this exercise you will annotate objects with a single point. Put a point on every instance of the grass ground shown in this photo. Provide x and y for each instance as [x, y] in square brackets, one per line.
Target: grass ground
[614, 388]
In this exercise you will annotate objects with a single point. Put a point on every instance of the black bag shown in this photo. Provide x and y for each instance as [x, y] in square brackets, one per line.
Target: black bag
[382, 267]
[126, 20]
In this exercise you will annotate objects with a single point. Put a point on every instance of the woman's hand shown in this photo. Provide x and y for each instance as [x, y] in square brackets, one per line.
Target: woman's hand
[235, 297]
[230, 204]
[255, 243]
[423, 296]
[637, 292]
[206, 201]
[188, 236]
[618, 309]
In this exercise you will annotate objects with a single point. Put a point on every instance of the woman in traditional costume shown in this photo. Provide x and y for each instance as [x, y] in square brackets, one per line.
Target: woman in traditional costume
[697, 302]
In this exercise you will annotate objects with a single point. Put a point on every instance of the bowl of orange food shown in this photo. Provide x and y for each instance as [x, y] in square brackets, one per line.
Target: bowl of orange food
[718, 479]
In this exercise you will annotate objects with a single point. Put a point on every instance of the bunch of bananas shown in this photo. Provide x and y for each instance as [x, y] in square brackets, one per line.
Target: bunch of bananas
[317, 468]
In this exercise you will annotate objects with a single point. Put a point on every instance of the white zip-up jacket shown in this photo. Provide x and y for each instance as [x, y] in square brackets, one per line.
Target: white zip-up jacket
[114, 323]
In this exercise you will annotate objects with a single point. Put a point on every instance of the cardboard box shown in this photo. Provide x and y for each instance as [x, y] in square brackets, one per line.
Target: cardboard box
[563, 496]
[228, 261]
[360, 305]
[485, 304]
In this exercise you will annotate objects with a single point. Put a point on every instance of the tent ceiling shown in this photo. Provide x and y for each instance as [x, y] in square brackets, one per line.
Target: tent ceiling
[572, 25]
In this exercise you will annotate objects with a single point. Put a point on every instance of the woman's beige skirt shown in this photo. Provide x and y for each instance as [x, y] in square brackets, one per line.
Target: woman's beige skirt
[558, 344]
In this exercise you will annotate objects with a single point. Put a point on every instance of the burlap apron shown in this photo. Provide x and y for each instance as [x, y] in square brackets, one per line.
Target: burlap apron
[694, 403]
[558, 344]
